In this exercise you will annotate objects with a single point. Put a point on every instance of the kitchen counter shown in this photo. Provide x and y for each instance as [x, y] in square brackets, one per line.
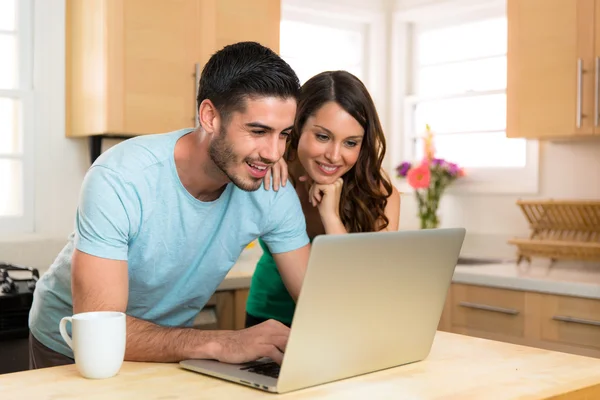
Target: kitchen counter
[458, 367]
[239, 276]
[563, 278]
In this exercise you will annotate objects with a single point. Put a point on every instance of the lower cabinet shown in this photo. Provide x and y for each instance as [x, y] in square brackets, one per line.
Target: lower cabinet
[225, 310]
[570, 321]
[554, 322]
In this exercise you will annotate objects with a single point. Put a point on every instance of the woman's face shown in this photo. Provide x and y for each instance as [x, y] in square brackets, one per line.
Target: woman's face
[330, 143]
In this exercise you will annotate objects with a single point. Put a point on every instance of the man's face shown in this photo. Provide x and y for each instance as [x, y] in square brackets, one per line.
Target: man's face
[253, 140]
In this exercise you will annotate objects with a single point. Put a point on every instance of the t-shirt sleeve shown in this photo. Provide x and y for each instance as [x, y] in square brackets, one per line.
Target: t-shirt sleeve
[107, 212]
[286, 227]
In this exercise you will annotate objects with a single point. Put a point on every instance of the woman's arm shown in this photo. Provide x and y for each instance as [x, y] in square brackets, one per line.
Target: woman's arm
[332, 221]
[327, 199]
[333, 225]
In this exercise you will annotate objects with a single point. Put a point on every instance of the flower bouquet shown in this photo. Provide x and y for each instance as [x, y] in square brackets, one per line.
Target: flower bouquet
[429, 177]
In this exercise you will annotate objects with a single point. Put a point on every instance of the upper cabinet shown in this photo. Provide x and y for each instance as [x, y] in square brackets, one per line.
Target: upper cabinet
[553, 68]
[133, 66]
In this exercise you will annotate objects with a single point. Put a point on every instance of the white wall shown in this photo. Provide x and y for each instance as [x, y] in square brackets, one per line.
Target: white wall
[60, 162]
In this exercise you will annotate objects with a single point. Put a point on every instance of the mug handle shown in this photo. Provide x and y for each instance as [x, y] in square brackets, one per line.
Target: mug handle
[63, 330]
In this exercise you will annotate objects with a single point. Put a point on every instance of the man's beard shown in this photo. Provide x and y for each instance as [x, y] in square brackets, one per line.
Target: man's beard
[222, 154]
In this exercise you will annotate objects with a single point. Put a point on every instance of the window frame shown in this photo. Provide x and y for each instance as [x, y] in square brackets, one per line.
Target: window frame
[25, 94]
[406, 25]
[372, 18]
[336, 23]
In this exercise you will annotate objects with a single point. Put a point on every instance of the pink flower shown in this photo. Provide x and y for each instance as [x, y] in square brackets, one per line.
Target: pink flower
[419, 177]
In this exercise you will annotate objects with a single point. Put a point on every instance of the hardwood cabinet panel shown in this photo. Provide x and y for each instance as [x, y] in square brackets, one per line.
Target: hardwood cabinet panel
[571, 320]
[250, 20]
[241, 296]
[445, 323]
[161, 47]
[132, 66]
[551, 77]
[487, 310]
[553, 322]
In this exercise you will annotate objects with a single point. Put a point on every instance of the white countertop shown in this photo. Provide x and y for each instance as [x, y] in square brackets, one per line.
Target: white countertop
[578, 279]
[567, 278]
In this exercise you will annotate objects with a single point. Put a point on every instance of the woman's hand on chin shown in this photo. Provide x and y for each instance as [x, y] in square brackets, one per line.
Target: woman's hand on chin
[327, 198]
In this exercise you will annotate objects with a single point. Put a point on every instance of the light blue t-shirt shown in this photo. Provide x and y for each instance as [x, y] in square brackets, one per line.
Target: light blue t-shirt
[133, 207]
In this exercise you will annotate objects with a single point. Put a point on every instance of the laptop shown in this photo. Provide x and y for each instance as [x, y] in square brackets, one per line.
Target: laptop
[369, 301]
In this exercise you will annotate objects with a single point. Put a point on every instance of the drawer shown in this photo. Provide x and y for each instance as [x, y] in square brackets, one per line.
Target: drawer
[571, 320]
[488, 310]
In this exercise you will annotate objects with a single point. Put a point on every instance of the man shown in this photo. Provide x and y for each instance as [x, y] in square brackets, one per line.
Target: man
[162, 219]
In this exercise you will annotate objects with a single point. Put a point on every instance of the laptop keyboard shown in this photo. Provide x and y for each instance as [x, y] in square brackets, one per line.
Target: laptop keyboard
[268, 369]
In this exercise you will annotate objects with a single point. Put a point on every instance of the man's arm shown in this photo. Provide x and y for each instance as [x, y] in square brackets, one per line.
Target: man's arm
[292, 267]
[102, 284]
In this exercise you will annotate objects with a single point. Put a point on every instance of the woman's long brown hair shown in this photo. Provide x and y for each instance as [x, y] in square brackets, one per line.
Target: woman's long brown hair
[366, 188]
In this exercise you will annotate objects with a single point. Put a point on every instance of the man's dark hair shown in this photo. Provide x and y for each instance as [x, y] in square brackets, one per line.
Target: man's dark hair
[245, 70]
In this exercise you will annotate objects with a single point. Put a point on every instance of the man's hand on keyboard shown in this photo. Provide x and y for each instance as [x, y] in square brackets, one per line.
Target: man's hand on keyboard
[267, 339]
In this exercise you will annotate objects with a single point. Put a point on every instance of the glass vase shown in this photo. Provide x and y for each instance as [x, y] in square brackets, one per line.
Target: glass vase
[429, 219]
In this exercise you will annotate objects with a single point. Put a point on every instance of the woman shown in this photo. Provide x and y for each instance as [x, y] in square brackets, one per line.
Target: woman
[334, 161]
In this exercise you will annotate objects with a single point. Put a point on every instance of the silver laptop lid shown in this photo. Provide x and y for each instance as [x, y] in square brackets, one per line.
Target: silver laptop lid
[369, 301]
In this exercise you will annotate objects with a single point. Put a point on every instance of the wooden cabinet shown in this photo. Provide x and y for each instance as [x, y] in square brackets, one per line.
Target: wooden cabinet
[553, 70]
[571, 321]
[225, 310]
[487, 311]
[132, 66]
[554, 322]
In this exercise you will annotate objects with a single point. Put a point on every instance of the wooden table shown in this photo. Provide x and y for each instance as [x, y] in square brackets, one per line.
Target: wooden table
[459, 367]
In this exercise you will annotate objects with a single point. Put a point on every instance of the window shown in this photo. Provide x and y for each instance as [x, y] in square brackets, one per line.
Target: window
[313, 44]
[458, 88]
[310, 48]
[16, 106]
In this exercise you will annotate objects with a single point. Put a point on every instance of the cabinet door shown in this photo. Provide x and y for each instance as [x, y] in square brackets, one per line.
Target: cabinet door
[596, 110]
[488, 312]
[550, 82]
[571, 321]
[159, 50]
[132, 66]
[256, 20]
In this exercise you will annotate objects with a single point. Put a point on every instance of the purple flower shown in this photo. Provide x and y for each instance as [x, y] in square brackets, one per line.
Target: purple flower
[437, 162]
[403, 168]
[453, 169]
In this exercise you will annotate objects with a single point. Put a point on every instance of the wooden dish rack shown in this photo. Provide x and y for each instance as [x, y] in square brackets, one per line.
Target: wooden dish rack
[565, 230]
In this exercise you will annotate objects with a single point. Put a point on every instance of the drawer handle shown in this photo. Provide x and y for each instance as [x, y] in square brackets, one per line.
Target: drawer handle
[564, 318]
[488, 308]
[597, 92]
[196, 83]
[579, 92]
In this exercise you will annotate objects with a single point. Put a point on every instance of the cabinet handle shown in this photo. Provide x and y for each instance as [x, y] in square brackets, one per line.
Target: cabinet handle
[564, 318]
[488, 308]
[597, 92]
[579, 91]
[196, 83]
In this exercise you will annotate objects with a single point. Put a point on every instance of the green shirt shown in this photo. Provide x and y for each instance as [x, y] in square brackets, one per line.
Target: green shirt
[268, 297]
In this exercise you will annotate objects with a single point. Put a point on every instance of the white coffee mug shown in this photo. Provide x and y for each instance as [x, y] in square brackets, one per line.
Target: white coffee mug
[98, 342]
